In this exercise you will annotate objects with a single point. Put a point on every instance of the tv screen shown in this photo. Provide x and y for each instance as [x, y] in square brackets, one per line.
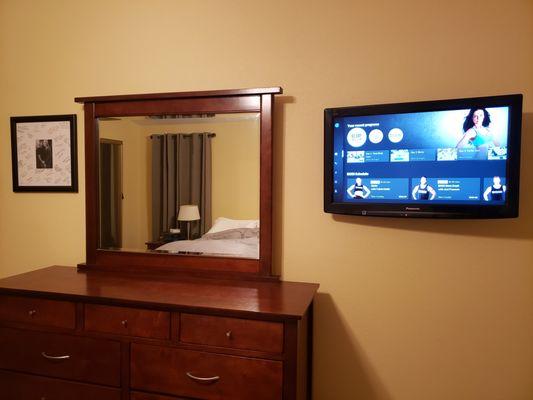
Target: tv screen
[449, 158]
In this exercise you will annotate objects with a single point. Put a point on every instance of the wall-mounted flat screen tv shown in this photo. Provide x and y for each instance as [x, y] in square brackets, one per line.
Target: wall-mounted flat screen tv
[449, 158]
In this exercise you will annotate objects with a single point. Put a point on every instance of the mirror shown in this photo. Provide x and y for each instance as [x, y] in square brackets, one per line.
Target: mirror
[126, 219]
[180, 184]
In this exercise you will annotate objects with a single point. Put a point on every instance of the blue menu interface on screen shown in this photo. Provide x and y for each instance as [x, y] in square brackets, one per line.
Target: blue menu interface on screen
[447, 157]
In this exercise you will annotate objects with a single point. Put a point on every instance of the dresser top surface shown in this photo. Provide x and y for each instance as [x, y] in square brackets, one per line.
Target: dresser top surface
[276, 299]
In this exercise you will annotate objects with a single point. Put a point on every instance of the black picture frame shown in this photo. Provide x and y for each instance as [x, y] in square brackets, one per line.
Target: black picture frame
[44, 153]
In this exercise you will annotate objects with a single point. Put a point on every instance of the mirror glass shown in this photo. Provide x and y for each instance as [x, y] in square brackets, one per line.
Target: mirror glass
[180, 184]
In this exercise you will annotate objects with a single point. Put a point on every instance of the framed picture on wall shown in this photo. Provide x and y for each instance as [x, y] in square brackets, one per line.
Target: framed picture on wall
[44, 153]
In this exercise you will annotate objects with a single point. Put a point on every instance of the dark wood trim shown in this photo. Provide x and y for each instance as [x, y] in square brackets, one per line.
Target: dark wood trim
[178, 106]
[141, 260]
[309, 366]
[177, 272]
[290, 363]
[125, 356]
[181, 95]
[265, 247]
[92, 144]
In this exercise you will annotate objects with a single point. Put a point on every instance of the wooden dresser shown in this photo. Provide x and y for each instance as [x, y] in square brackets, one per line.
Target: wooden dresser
[66, 334]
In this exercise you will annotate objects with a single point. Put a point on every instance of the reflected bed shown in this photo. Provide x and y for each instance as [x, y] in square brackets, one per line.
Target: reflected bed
[223, 239]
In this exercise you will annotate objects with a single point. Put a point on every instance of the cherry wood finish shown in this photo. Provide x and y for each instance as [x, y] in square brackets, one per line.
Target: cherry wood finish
[59, 314]
[173, 371]
[265, 248]
[268, 353]
[248, 299]
[219, 101]
[148, 396]
[92, 148]
[89, 360]
[16, 386]
[234, 104]
[236, 333]
[178, 95]
[127, 321]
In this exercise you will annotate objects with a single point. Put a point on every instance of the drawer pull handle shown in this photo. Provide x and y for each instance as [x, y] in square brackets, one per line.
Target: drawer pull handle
[229, 334]
[204, 380]
[125, 323]
[32, 313]
[55, 358]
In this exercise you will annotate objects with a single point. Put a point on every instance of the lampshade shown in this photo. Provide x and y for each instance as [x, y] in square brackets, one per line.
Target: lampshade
[189, 212]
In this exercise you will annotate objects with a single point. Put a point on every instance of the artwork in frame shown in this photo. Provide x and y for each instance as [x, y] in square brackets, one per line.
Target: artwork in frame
[44, 153]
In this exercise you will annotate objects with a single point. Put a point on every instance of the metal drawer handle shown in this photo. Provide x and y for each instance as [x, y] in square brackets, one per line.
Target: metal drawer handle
[125, 323]
[197, 378]
[31, 313]
[229, 334]
[55, 358]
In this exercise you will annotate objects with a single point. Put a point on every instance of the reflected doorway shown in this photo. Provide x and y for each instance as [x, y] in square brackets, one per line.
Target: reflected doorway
[111, 194]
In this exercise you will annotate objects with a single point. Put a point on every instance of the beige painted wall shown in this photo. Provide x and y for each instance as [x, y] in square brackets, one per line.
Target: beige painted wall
[236, 151]
[408, 309]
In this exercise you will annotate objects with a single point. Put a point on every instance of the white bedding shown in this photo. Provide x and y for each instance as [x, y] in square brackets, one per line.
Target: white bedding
[245, 248]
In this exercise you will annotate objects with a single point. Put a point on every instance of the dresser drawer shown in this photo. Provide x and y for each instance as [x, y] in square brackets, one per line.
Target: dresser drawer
[149, 396]
[53, 313]
[127, 321]
[61, 356]
[15, 386]
[206, 376]
[232, 332]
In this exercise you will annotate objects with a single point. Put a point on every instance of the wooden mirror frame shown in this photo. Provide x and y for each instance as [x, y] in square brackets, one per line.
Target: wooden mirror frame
[259, 100]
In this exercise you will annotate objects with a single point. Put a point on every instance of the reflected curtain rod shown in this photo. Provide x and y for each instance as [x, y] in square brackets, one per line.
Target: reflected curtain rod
[211, 135]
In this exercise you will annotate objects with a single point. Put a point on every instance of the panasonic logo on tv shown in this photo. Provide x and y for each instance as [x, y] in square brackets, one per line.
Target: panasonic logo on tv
[412, 209]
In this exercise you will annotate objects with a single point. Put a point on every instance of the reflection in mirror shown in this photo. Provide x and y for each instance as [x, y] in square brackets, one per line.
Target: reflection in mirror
[180, 184]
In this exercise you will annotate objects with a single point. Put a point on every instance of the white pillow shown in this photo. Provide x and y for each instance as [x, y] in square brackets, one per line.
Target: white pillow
[223, 224]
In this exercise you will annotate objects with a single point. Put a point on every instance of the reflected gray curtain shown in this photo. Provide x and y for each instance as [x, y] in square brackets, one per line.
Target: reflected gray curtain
[181, 174]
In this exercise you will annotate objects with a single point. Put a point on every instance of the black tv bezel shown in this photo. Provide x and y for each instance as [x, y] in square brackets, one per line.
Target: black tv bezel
[507, 210]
